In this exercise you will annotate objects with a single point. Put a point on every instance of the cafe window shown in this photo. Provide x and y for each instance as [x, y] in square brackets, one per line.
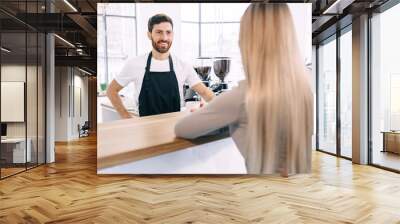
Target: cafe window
[116, 41]
[190, 18]
[334, 91]
[327, 96]
[385, 89]
[346, 92]
[22, 98]
[213, 30]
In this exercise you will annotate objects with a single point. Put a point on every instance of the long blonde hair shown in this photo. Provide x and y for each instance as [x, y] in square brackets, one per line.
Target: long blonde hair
[279, 101]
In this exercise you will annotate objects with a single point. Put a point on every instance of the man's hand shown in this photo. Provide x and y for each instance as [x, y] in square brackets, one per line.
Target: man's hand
[112, 94]
[204, 92]
[126, 116]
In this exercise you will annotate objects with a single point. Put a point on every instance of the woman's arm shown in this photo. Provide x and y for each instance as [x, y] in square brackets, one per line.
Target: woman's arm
[220, 112]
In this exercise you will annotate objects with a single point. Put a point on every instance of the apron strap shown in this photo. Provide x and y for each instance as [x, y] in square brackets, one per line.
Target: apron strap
[148, 63]
[171, 66]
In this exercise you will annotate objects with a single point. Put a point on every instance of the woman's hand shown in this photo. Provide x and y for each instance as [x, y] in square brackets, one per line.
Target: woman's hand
[200, 106]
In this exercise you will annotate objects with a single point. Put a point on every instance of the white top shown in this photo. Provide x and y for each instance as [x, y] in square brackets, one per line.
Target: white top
[134, 69]
[227, 109]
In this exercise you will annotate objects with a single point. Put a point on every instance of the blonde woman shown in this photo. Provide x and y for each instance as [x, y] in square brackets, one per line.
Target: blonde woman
[270, 114]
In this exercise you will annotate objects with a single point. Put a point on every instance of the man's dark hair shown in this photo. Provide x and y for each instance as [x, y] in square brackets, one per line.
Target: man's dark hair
[157, 19]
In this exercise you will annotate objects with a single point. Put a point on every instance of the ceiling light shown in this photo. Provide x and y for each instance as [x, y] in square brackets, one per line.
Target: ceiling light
[337, 7]
[79, 51]
[65, 41]
[5, 50]
[70, 5]
[84, 71]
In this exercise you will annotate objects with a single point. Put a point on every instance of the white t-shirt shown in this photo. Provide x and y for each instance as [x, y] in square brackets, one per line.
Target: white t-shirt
[134, 69]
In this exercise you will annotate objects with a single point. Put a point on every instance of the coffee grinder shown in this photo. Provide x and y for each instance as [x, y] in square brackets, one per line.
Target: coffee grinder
[202, 66]
[203, 69]
[221, 69]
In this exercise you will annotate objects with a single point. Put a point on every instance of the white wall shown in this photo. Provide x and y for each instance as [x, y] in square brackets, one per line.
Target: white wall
[34, 125]
[62, 81]
[80, 84]
[12, 101]
[67, 117]
[15, 72]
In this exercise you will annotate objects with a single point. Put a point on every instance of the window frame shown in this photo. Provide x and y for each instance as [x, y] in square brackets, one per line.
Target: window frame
[379, 10]
[334, 37]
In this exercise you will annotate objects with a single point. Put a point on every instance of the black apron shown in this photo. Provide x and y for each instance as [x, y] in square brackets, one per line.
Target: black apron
[160, 91]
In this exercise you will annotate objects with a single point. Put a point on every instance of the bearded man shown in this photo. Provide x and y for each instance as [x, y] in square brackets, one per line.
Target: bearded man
[158, 76]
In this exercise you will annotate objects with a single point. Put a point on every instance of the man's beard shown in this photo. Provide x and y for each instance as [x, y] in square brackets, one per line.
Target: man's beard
[161, 49]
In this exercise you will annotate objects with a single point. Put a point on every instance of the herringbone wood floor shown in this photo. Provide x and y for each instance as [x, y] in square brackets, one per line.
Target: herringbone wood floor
[69, 191]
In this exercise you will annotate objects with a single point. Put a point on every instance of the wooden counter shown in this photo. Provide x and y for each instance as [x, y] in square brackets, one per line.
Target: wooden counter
[124, 141]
